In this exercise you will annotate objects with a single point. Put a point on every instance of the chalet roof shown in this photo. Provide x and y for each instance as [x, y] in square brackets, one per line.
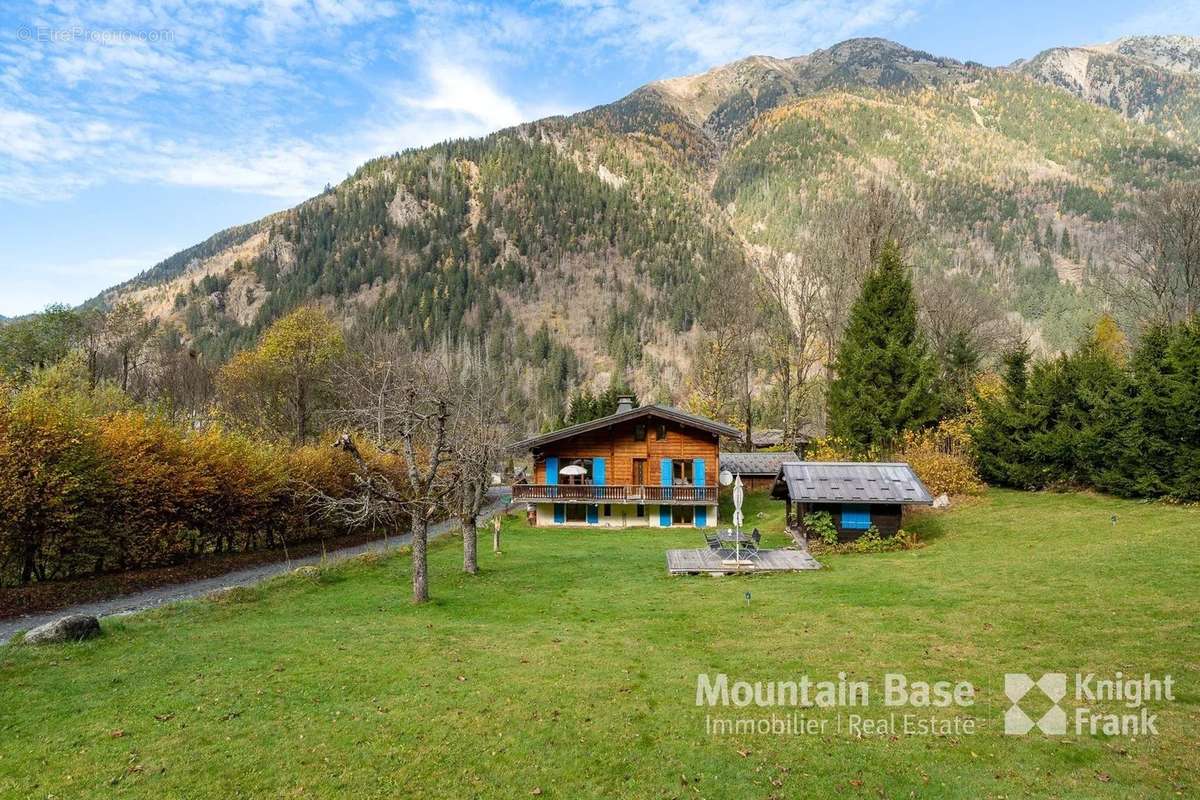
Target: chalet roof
[772, 437]
[850, 482]
[756, 463]
[669, 413]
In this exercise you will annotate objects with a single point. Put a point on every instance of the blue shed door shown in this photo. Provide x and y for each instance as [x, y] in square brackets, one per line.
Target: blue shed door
[593, 514]
[856, 517]
[701, 512]
[560, 513]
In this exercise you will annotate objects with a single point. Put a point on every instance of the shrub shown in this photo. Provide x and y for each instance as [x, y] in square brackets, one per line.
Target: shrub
[88, 487]
[820, 525]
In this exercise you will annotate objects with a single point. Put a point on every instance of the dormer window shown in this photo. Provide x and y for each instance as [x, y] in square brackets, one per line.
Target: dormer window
[660, 431]
[639, 433]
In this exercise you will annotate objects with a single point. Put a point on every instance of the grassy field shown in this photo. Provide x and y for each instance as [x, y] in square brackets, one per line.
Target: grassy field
[569, 668]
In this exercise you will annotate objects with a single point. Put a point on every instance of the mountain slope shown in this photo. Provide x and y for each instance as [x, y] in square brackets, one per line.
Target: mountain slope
[1151, 79]
[582, 248]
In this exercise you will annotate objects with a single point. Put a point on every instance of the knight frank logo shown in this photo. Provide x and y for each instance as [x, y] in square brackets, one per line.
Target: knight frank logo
[1053, 686]
[1093, 702]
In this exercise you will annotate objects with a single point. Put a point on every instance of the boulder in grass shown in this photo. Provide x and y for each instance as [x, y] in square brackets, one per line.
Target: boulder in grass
[942, 501]
[72, 628]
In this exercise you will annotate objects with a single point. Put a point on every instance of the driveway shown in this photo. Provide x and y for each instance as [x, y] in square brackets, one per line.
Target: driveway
[164, 595]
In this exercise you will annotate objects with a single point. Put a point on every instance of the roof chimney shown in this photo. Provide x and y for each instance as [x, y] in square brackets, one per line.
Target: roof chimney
[624, 404]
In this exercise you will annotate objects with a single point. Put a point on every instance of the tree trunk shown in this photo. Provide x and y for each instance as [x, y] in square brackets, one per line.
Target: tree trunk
[470, 539]
[749, 406]
[496, 534]
[420, 565]
[301, 411]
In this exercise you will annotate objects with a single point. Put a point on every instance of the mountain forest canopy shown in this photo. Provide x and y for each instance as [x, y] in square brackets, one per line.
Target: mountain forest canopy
[580, 253]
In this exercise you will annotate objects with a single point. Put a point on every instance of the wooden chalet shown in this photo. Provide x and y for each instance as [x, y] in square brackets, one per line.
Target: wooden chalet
[856, 495]
[652, 466]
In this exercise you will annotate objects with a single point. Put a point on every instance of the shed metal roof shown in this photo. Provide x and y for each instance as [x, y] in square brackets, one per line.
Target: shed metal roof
[850, 482]
[759, 463]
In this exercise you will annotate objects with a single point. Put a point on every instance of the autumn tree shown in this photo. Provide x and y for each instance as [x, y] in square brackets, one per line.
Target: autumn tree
[126, 331]
[38, 341]
[280, 386]
[885, 378]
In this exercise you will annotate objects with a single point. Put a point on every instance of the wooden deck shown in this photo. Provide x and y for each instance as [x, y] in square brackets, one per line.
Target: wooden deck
[694, 562]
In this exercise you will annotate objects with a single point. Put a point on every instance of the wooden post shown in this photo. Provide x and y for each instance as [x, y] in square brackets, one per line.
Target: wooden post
[496, 534]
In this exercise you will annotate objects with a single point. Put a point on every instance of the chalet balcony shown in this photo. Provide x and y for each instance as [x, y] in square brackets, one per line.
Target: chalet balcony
[616, 493]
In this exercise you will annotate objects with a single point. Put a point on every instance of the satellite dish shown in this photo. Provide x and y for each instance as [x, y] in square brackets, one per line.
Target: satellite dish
[726, 477]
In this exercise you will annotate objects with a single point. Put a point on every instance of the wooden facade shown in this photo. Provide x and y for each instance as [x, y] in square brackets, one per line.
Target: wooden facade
[857, 496]
[886, 517]
[651, 466]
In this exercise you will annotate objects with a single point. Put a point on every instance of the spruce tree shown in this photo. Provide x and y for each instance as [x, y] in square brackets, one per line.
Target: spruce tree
[885, 376]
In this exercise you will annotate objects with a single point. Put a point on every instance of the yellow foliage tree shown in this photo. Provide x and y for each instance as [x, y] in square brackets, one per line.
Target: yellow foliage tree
[277, 387]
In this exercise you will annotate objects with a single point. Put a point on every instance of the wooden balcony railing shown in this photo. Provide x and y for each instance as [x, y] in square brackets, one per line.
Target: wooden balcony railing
[680, 494]
[616, 493]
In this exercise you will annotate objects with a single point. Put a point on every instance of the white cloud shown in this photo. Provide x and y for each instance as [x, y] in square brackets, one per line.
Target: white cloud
[1178, 17]
[710, 33]
[278, 97]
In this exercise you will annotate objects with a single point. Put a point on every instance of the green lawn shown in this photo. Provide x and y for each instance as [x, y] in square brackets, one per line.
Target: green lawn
[568, 669]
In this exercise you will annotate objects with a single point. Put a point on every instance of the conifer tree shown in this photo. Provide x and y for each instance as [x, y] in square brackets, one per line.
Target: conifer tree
[885, 376]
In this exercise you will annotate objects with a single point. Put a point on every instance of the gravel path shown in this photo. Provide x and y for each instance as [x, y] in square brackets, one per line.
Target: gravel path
[152, 598]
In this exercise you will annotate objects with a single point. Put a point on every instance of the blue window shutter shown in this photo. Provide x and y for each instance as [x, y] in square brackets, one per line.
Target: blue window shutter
[597, 477]
[664, 516]
[698, 479]
[856, 517]
[552, 479]
[560, 513]
[701, 516]
[593, 514]
[666, 474]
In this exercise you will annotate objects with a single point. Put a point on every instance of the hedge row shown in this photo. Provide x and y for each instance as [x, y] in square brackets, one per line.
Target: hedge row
[85, 493]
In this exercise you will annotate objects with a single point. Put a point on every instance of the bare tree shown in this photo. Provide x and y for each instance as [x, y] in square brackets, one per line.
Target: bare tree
[1162, 254]
[480, 430]
[404, 404]
[790, 293]
[954, 309]
[723, 356]
[847, 241]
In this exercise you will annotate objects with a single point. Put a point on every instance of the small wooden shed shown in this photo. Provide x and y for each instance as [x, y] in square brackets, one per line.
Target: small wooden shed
[856, 495]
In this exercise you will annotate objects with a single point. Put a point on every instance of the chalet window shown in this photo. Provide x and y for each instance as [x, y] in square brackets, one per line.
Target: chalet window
[608, 509]
[576, 513]
[640, 511]
[639, 433]
[681, 472]
[639, 472]
[660, 432]
[682, 515]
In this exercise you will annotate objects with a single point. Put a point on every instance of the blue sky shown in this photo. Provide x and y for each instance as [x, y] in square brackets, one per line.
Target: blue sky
[131, 130]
